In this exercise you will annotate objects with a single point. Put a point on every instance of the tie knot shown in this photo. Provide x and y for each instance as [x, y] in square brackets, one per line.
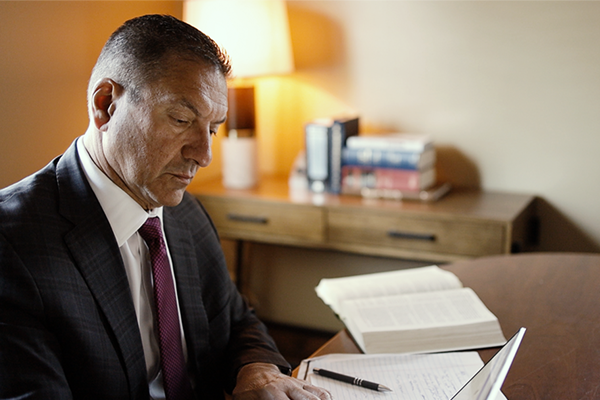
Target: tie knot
[151, 231]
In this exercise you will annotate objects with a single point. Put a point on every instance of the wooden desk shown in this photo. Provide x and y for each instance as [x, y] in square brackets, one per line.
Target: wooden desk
[555, 296]
[462, 225]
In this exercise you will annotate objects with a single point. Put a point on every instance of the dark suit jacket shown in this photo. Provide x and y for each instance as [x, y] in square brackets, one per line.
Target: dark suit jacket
[67, 323]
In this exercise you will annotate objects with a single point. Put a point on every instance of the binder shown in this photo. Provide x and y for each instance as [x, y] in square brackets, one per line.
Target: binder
[317, 154]
[325, 139]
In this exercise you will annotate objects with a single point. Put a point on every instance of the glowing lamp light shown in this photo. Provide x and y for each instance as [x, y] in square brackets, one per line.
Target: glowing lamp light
[256, 36]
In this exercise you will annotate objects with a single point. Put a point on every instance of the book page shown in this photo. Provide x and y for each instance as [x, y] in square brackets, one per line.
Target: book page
[421, 322]
[424, 279]
[411, 377]
[416, 311]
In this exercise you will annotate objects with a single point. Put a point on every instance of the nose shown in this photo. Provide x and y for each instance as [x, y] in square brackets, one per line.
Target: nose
[199, 147]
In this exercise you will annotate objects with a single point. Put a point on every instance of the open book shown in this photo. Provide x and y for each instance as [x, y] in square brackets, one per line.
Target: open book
[411, 311]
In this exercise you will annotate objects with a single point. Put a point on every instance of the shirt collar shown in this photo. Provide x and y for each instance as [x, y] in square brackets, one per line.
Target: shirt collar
[124, 214]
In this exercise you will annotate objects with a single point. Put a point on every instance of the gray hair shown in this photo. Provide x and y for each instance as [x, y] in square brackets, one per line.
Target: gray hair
[136, 52]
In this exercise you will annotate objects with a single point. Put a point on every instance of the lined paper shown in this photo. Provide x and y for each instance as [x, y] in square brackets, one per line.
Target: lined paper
[411, 377]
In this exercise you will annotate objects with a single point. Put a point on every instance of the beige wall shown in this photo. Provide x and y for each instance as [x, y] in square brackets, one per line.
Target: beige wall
[47, 51]
[509, 90]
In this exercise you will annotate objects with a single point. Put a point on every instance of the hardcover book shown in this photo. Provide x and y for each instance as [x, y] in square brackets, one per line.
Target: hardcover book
[393, 141]
[385, 158]
[341, 130]
[431, 194]
[357, 177]
[416, 310]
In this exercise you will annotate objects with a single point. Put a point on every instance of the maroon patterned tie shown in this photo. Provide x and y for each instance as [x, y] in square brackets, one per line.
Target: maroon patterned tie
[175, 380]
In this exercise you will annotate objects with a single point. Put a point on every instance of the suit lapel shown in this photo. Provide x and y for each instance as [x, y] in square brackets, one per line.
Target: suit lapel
[99, 261]
[187, 276]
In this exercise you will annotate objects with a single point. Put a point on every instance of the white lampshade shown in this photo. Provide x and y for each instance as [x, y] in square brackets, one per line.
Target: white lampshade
[255, 33]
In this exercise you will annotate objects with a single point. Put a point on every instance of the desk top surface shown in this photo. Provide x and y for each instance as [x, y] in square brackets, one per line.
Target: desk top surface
[556, 297]
[467, 202]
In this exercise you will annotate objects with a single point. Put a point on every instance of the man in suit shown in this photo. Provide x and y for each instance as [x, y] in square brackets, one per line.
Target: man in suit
[78, 318]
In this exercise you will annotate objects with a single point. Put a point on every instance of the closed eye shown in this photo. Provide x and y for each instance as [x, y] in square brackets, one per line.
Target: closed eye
[180, 122]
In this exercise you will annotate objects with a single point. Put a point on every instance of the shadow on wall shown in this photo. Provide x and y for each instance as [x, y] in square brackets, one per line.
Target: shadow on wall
[319, 48]
[553, 231]
[317, 41]
[454, 167]
[558, 233]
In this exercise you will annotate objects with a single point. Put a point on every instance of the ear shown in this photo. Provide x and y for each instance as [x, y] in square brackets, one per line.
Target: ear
[103, 102]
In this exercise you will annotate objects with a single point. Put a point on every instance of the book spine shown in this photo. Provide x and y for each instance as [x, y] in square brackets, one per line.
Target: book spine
[340, 131]
[355, 178]
[388, 158]
[317, 156]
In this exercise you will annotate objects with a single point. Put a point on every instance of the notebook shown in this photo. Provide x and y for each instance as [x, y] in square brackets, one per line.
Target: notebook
[453, 375]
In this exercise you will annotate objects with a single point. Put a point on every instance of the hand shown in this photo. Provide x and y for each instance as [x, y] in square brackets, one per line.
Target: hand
[265, 381]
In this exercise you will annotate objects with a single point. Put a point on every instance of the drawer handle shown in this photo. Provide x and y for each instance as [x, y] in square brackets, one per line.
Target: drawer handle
[410, 235]
[247, 218]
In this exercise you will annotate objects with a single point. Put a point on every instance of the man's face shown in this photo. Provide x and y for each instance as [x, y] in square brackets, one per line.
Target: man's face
[157, 144]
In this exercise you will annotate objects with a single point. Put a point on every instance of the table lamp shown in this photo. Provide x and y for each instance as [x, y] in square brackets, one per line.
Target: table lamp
[256, 36]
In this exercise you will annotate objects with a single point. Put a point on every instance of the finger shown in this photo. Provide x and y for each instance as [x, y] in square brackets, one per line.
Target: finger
[321, 393]
[308, 392]
[298, 393]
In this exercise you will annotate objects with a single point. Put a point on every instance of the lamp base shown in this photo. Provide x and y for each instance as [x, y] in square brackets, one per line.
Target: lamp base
[239, 162]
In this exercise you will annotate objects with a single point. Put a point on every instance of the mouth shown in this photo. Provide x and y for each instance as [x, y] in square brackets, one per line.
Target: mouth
[185, 179]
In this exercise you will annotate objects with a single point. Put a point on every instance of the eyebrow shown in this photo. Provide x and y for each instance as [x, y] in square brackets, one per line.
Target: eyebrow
[192, 108]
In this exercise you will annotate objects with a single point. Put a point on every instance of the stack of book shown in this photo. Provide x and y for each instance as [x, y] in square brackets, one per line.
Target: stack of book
[395, 165]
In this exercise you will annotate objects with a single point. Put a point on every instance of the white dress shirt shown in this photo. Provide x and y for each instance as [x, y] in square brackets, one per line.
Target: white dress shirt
[126, 216]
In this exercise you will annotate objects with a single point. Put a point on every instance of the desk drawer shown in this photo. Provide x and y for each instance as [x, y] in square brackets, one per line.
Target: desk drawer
[264, 221]
[389, 231]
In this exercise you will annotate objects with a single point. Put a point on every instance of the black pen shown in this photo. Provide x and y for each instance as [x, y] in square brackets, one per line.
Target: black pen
[350, 379]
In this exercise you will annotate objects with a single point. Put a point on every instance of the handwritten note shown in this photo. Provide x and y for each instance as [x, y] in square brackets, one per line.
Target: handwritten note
[411, 377]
